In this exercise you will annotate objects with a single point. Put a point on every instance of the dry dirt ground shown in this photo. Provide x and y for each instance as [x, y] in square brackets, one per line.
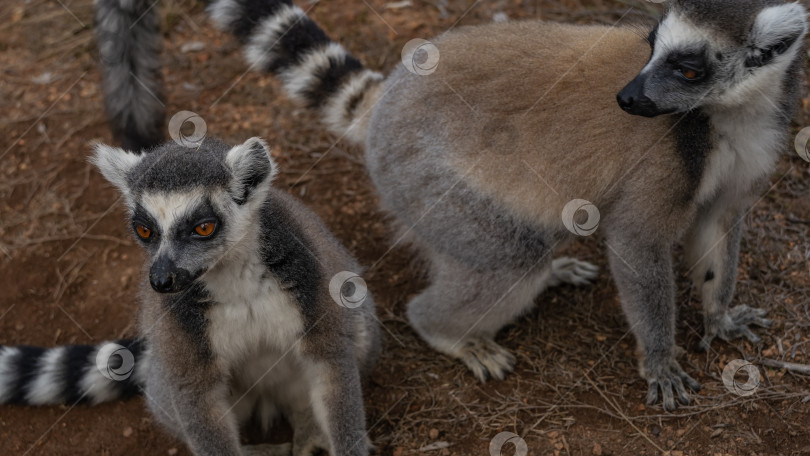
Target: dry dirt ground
[68, 267]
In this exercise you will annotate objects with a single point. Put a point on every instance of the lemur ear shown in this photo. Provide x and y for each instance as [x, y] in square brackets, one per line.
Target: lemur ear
[115, 163]
[251, 166]
[775, 30]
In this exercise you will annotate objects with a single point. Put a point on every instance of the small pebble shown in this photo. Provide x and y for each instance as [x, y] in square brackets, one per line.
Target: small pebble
[192, 46]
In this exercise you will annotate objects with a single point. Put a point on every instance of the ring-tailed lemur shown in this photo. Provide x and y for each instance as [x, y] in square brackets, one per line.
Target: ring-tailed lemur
[240, 316]
[478, 158]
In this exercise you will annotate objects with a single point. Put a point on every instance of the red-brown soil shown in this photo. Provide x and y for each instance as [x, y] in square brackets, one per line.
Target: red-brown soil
[68, 269]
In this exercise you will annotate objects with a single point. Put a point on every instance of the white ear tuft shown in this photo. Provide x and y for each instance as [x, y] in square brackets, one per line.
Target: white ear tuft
[114, 164]
[779, 23]
[252, 166]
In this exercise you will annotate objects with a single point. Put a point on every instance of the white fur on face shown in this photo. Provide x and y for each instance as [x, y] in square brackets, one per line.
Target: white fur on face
[674, 32]
[167, 208]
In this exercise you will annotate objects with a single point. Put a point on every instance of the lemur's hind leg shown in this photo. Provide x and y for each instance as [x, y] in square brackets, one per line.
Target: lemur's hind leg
[712, 250]
[463, 309]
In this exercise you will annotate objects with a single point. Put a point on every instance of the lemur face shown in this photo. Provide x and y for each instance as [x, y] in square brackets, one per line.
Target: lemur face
[183, 232]
[189, 207]
[703, 58]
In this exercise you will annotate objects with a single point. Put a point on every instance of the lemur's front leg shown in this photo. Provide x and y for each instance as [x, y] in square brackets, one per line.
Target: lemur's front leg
[337, 400]
[642, 269]
[712, 250]
[197, 411]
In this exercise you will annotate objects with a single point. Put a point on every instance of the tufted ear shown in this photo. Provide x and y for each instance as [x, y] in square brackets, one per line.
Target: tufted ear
[115, 164]
[776, 29]
[252, 168]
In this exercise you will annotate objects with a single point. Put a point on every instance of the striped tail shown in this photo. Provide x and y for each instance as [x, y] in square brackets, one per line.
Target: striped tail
[129, 42]
[279, 38]
[71, 374]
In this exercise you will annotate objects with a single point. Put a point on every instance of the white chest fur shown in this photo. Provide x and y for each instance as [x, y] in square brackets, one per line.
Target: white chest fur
[251, 314]
[745, 149]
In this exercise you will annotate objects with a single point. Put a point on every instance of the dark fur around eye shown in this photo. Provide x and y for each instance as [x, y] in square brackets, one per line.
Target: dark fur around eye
[692, 60]
[205, 213]
[142, 218]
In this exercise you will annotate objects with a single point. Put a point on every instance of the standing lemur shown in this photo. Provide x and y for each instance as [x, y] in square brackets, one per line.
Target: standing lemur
[241, 317]
[478, 158]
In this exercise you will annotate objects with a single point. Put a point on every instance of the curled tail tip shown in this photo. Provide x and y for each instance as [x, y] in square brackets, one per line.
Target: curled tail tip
[71, 374]
[315, 71]
[347, 112]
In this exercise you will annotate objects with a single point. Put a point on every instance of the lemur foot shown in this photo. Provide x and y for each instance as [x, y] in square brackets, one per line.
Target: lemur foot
[486, 359]
[733, 324]
[666, 380]
[284, 449]
[573, 271]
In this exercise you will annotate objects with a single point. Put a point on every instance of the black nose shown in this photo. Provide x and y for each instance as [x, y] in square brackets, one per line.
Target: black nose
[163, 276]
[626, 100]
[162, 283]
[632, 95]
[633, 100]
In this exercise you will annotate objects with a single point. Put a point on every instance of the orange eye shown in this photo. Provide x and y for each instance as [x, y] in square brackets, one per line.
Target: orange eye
[689, 74]
[143, 231]
[205, 229]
